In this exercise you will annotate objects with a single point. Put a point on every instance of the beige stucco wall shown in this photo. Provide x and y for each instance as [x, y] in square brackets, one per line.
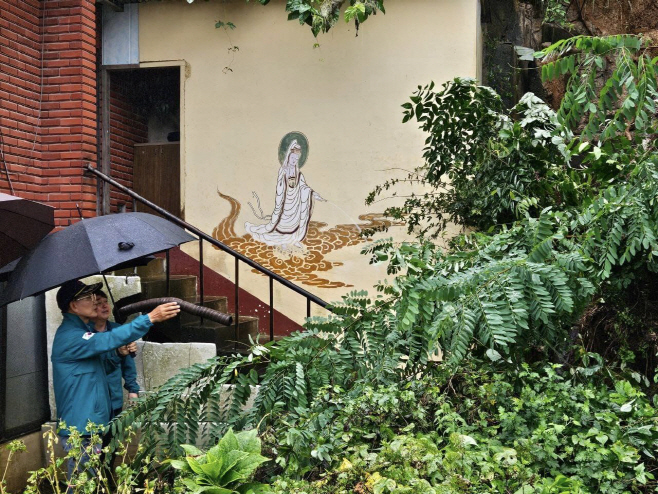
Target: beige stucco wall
[345, 95]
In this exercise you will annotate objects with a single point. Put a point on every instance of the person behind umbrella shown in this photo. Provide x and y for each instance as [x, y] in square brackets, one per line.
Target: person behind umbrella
[79, 380]
[119, 366]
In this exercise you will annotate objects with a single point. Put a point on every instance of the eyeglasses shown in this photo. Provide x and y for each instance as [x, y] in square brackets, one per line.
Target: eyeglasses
[91, 297]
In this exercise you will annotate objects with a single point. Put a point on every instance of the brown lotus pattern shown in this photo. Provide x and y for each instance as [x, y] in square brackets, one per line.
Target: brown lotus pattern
[303, 265]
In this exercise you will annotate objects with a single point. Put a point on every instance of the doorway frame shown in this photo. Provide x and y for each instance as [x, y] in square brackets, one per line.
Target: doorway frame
[103, 197]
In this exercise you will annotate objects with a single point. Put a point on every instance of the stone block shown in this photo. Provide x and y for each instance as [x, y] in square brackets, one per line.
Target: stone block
[201, 352]
[161, 361]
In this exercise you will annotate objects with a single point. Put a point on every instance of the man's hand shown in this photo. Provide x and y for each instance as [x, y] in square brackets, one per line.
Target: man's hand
[163, 312]
[126, 350]
[132, 398]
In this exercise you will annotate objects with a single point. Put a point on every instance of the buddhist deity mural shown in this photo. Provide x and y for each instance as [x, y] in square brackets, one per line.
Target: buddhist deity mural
[293, 207]
[288, 241]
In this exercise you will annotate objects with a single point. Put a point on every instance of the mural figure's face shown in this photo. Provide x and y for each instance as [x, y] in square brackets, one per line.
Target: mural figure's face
[293, 159]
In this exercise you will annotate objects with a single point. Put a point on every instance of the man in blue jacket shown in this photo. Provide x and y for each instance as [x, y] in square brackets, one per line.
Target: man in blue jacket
[119, 366]
[81, 389]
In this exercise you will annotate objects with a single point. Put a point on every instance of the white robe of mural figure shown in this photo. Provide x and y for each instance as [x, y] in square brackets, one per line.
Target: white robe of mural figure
[288, 223]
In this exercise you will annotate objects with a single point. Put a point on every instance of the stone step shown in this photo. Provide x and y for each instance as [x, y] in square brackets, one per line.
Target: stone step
[206, 332]
[248, 326]
[181, 286]
[211, 332]
[212, 302]
[156, 269]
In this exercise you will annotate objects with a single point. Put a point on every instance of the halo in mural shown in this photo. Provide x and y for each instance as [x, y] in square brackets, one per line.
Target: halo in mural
[285, 143]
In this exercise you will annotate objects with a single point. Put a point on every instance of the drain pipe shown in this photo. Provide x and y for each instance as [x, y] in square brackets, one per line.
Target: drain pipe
[190, 308]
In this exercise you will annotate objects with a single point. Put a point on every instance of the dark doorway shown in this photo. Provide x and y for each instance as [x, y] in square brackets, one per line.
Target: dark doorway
[141, 149]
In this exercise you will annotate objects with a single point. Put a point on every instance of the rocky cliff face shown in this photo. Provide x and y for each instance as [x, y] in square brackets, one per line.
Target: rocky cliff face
[606, 17]
[510, 23]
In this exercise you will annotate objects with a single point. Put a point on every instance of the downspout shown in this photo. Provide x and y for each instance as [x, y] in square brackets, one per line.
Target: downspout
[99, 109]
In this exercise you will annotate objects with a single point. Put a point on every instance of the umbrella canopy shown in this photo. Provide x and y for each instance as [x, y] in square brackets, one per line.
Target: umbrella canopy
[7, 269]
[88, 247]
[23, 224]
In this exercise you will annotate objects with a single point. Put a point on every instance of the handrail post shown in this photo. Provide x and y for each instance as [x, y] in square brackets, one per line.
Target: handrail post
[271, 308]
[167, 273]
[201, 292]
[308, 307]
[237, 301]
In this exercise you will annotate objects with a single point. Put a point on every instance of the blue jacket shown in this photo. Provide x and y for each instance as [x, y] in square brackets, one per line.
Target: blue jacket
[79, 380]
[118, 368]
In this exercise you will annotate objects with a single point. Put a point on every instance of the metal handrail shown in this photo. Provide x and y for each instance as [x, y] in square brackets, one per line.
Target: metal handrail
[204, 236]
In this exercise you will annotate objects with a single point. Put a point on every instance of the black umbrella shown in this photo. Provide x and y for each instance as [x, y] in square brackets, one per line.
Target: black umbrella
[23, 224]
[91, 246]
[7, 269]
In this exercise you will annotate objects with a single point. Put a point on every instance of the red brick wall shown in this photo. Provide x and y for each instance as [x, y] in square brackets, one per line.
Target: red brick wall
[20, 87]
[48, 102]
[127, 128]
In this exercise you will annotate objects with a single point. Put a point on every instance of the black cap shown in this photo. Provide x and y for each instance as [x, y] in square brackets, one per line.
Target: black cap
[72, 290]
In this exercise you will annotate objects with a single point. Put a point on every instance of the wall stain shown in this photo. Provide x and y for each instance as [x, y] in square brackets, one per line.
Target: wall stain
[299, 265]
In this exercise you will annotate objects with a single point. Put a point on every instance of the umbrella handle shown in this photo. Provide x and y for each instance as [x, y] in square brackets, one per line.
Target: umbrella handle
[148, 305]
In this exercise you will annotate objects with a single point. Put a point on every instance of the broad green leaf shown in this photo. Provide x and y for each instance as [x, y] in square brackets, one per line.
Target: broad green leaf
[213, 489]
[213, 469]
[244, 468]
[249, 441]
[179, 465]
[231, 464]
[194, 465]
[226, 444]
[191, 450]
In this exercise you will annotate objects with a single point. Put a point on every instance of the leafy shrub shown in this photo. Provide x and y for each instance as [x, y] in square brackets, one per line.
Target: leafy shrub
[488, 428]
[481, 161]
[226, 468]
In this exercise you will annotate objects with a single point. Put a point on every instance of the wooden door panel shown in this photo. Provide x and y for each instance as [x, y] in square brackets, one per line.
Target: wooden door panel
[156, 175]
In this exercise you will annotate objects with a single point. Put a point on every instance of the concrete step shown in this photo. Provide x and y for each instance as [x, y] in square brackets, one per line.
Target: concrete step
[211, 332]
[212, 302]
[156, 269]
[206, 332]
[181, 286]
[248, 326]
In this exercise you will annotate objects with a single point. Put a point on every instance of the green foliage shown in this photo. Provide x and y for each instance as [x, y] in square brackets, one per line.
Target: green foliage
[13, 448]
[625, 102]
[489, 428]
[499, 296]
[322, 15]
[196, 402]
[556, 12]
[482, 162]
[226, 468]
[484, 165]
[95, 477]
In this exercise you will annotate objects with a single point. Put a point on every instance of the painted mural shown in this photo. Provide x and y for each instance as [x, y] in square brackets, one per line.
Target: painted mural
[288, 224]
[288, 241]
